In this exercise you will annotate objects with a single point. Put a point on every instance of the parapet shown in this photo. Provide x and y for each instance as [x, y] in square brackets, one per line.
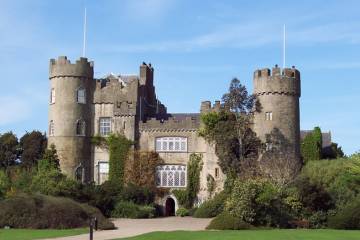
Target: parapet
[277, 81]
[206, 106]
[173, 124]
[62, 67]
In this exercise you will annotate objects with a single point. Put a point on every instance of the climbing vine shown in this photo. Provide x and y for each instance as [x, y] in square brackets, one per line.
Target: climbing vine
[118, 146]
[194, 168]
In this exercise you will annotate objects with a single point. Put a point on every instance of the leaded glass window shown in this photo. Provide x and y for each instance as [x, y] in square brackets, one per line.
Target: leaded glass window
[105, 126]
[171, 176]
[171, 144]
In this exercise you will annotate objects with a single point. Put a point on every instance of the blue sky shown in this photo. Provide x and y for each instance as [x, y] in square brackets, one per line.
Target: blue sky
[196, 48]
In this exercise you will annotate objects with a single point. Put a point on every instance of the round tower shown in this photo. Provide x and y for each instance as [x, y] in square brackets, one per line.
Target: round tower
[71, 87]
[278, 92]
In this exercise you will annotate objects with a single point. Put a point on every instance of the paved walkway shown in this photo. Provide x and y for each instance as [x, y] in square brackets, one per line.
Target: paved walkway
[133, 227]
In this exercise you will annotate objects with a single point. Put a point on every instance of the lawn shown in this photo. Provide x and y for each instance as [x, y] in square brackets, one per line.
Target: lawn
[292, 234]
[28, 234]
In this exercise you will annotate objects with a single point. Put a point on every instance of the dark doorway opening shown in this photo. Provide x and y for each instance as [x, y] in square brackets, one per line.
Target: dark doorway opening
[170, 207]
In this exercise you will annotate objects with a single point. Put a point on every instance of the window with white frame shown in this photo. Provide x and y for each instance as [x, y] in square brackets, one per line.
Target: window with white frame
[52, 95]
[268, 116]
[105, 126]
[51, 128]
[171, 144]
[80, 127]
[171, 176]
[103, 171]
[81, 95]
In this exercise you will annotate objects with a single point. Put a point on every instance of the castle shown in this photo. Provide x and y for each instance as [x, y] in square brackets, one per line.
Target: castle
[82, 106]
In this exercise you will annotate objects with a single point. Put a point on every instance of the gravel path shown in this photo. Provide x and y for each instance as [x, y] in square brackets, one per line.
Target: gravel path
[133, 227]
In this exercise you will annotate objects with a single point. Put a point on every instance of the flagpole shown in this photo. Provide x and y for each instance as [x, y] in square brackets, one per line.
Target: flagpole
[284, 44]
[84, 39]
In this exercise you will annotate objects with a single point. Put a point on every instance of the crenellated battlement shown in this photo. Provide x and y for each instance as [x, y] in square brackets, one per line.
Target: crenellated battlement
[277, 81]
[188, 123]
[207, 107]
[62, 67]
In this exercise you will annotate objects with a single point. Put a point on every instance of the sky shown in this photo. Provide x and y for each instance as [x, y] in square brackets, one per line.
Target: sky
[196, 48]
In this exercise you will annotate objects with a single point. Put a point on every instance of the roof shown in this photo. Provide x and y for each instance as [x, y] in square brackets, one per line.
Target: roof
[326, 137]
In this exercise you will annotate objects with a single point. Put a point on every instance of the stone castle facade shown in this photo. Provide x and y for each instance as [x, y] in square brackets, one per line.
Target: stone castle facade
[82, 106]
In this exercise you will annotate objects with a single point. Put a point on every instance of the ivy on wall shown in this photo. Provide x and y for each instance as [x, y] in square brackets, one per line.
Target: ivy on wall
[311, 145]
[187, 197]
[119, 147]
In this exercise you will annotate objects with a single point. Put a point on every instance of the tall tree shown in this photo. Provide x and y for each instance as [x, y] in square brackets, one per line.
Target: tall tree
[236, 145]
[277, 162]
[33, 145]
[8, 149]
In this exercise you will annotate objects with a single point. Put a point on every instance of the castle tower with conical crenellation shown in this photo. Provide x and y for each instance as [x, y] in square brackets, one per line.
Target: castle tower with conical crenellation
[71, 93]
[278, 92]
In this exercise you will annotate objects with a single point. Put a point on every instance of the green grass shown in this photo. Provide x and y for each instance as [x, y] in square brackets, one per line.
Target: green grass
[291, 234]
[28, 234]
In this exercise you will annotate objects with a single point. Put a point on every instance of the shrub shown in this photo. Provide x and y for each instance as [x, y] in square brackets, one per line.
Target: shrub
[346, 218]
[181, 196]
[318, 219]
[212, 207]
[4, 183]
[336, 177]
[225, 221]
[182, 212]
[125, 209]
[40, 211]
[138, 195]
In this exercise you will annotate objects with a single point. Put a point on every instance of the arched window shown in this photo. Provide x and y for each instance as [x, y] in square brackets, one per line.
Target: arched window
[80, 127]
[170, 176]
[51, 128]
[81, 95]
[79, 173]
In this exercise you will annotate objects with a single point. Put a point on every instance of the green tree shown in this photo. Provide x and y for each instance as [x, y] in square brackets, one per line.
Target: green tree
[33, 145]
[8, 149]
[48, 175]
[311, 145]
[236, 145]
[277, 161]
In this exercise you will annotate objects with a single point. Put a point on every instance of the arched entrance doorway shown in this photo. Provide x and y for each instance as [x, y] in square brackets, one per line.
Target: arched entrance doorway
[170, 207]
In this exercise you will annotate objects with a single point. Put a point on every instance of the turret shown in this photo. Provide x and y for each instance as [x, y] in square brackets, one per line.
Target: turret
[278, 92]
[71, 95]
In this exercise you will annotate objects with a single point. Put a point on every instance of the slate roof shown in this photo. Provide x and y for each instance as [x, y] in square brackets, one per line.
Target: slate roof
[326, 137]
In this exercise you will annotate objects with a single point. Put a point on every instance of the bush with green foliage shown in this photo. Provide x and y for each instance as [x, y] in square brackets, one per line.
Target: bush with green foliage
[347, 218]
[311, 145]
[125, 209]
[182, 212]
[40, 211]
[4, 184]
[337, 177]
[226, 221]
[137, 194]
[211, 208]
[181, 196]
[258, 202]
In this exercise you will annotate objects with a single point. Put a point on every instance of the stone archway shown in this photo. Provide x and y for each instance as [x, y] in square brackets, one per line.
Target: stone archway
[169, 207]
